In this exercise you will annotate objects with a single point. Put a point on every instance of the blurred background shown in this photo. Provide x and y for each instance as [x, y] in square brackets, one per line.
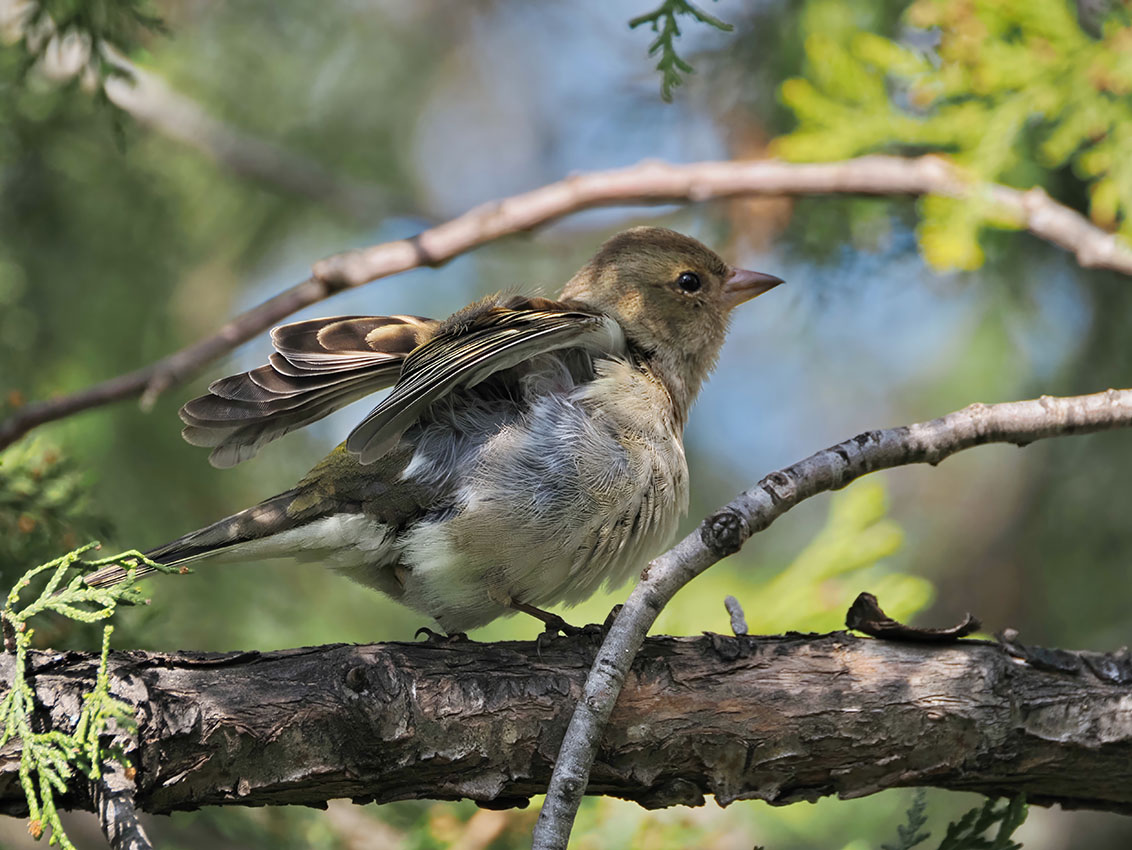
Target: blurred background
[275, 132]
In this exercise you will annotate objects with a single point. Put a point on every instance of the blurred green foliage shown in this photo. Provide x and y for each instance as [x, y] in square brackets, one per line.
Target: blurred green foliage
[117, 24]
[968, 832]
[844, 558]
[45, 506]
[1009, 90]
[96, 27]
[911, 832]
[609, 823]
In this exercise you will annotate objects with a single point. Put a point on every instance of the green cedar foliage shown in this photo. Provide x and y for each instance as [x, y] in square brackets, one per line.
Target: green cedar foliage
[1013, 91]
[969, 832]
[663, 22]
[50, 760]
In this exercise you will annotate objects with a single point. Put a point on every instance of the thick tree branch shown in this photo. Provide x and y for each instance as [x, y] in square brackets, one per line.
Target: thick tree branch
[781, 719]
[724, 533]
[647, 183]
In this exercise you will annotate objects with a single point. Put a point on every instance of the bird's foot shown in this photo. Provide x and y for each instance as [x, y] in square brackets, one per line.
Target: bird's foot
[438, 639]
[553, 622]
[555, 625]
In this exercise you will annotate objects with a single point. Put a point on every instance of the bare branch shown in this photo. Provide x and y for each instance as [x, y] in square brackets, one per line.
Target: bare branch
[724, 533]
[647, 183]
[117, 814]
[781, 719]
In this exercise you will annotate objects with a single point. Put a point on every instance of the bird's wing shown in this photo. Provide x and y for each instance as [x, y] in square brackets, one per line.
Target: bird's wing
[469, 348]
[318, 366]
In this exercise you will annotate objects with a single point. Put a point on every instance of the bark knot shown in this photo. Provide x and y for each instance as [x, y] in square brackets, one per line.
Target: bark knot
[724, 533]
[356, 679]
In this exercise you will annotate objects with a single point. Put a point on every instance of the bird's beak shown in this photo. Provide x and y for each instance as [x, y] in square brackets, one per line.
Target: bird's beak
[744, 285]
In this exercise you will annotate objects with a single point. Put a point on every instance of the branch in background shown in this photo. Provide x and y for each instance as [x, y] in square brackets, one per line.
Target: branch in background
[782, 719]
[1019, 422]
[647, 183]
[151, 102]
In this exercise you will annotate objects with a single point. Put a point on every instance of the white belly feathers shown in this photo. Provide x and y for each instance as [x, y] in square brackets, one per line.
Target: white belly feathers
[532, 523]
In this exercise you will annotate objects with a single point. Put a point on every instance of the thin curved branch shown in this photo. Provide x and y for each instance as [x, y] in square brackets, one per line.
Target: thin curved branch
[724, 533]
[646, 183]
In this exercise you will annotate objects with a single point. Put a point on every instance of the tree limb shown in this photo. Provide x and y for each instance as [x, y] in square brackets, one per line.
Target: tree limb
[724, 533]
[646, 183]
[781, 719]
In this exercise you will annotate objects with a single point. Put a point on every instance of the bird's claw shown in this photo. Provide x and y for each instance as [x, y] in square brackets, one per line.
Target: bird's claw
[556, 625]
[438, 639]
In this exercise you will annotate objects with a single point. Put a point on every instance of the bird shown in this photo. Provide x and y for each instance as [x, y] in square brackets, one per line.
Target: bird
[529, 451]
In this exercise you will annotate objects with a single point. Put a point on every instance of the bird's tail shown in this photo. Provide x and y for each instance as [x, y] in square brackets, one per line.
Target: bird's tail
[256, 523]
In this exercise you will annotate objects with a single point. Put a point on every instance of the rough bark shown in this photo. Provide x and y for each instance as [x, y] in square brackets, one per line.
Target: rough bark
[781, 719]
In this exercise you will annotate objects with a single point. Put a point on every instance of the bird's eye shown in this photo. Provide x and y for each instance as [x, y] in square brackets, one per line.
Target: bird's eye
[689, 282]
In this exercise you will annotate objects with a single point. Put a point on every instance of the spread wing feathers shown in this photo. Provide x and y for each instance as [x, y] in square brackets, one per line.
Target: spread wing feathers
[318, 366]
[497, 338]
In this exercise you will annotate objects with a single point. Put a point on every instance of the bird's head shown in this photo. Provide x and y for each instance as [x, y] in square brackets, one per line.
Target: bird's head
[673, 296]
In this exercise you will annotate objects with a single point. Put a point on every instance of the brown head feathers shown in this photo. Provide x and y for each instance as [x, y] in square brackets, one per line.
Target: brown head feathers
[673, 296]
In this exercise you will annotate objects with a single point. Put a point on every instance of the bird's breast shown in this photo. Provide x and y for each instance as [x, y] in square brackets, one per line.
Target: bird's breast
[581, 490]
[582, 486]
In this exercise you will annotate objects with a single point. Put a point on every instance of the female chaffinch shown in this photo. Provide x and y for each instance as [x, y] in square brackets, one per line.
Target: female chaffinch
[529, 450]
